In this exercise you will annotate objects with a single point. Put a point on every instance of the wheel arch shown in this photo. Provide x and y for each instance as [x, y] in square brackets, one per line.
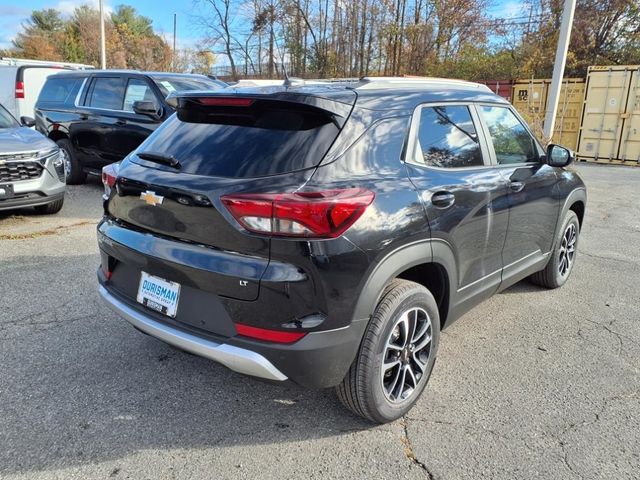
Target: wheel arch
[578, 207]
[430, 263]
[575, 201]
[56, 135]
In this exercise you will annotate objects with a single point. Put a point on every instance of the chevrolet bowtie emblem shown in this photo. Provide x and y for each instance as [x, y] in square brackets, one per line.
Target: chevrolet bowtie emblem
[151, 198]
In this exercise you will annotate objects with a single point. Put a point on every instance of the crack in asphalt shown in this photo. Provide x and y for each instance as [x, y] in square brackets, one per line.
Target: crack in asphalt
[574, 427]
[619, 335]
[605, 257]
[56, 318]
[408, 449]
[565, 460]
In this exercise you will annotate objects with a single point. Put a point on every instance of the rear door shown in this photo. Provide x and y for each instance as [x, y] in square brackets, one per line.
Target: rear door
[533, 196]
[96, 134]
[463, 195]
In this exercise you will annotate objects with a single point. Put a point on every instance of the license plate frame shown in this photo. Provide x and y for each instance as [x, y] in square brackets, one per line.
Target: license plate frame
[158, 294]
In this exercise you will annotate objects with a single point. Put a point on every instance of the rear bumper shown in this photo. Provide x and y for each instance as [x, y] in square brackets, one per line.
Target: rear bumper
[235, 358]
[319, 360]
[208, 312]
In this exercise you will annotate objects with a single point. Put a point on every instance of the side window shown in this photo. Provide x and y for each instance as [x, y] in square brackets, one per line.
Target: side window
[59, 89]
[138, 90]
[108, 93]
[447, 138]
[511, 140]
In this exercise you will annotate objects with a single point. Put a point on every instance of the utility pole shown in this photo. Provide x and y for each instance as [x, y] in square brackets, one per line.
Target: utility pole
[103, 52]
[175, 15]
[558, 67]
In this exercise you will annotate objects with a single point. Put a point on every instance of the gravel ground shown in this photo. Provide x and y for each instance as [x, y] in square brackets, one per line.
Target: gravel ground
[531, 384]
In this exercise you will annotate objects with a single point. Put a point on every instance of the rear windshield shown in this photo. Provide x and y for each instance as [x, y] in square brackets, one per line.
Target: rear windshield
[60, 90]
[6, 120]
[169, 84]
[266, 139]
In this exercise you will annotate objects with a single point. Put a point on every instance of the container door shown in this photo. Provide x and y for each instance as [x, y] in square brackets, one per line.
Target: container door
[604, 111]
[530, 100]
[630, 144]
[567, 123]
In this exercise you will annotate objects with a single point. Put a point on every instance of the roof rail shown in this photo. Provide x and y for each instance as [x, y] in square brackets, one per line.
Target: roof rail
[10, 61]
[391, 82]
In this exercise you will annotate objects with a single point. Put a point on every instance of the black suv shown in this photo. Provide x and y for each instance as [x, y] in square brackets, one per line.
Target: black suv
[326, 233]
[98, 116]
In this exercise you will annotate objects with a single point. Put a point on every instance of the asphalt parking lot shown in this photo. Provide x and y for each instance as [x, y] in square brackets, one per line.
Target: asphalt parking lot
[531, 384]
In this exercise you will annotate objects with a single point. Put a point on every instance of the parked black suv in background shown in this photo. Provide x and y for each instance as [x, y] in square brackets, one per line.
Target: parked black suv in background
[326, 233]
[98, 116]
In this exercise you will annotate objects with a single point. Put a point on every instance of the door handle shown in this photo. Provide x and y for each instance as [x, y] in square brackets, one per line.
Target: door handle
[443, 199]
[121, 122]
[516, 186]
[83, 116]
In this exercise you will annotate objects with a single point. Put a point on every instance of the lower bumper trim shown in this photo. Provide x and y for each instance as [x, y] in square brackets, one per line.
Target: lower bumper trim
[28, 200]
[238, 359]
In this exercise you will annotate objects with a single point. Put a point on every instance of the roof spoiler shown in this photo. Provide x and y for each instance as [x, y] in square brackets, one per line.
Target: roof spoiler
[245, 99]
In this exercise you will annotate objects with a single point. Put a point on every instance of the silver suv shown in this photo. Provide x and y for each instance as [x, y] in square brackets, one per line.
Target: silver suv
[32, 168]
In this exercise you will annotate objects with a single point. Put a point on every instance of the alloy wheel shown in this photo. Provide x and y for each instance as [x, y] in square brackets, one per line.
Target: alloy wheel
[406, 354]
[567, 250]
[67, 163]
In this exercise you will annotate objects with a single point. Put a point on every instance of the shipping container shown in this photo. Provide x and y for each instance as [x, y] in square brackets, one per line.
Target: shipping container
[610, 130]
[504, 88]
[530, 99]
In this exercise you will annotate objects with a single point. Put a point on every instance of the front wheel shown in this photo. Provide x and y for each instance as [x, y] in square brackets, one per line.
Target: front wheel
[563, 256]
[396, 356]
[72, 167]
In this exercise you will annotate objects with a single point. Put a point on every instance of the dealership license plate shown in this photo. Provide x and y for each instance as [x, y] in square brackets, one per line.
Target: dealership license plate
[158, 294]
[6, 191]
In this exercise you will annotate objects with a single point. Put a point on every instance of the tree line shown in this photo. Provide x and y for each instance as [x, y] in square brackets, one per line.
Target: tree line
[454, 38]
[129, 38]
[348, 38]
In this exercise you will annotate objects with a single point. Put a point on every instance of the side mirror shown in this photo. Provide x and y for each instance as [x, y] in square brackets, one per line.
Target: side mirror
[27, 121]
[558, 156]
[146, 108]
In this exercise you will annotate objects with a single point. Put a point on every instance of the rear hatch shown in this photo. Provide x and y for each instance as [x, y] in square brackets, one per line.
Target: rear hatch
[216, 144]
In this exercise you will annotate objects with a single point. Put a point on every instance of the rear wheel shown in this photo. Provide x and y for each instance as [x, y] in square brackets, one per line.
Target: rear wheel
[563, 257]
[396, 356]
[72, 167]
[50, 208]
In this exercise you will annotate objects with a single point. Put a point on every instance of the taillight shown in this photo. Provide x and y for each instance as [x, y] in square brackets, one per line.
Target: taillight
[106, 271]
[276, 336]
[19, 89]
[109, 176]
[225, 101]
[321, 214]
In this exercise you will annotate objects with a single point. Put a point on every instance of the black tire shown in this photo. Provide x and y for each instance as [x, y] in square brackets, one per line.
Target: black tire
[50, 208]
[363, 389]
[552, 275]
[73, 168]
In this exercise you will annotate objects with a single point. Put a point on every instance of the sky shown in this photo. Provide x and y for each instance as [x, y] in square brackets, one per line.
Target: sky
[13, 14]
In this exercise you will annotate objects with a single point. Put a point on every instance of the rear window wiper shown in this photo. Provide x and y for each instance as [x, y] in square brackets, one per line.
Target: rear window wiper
[169, 160]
